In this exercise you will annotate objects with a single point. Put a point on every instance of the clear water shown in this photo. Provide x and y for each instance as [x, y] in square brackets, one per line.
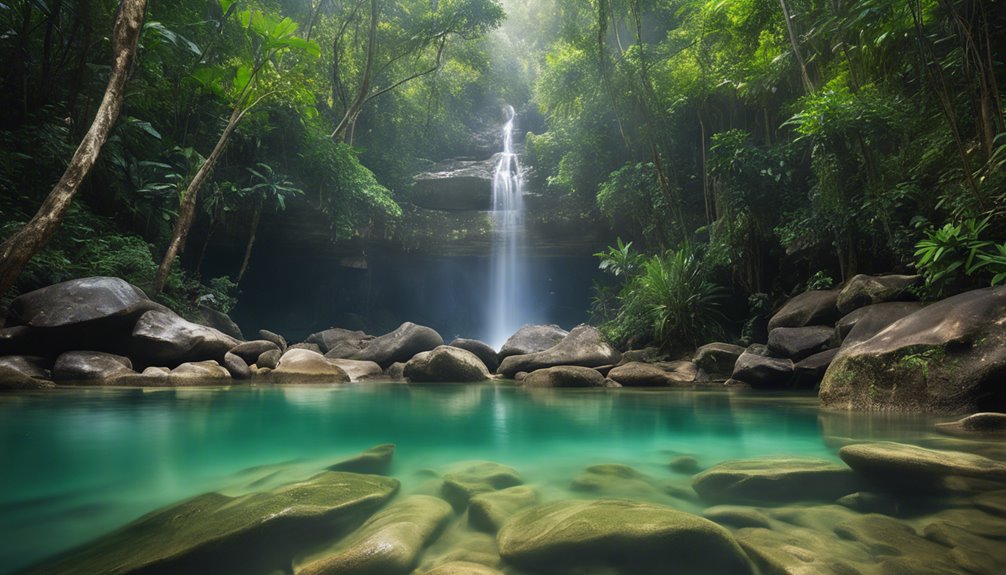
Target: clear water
[78, 463]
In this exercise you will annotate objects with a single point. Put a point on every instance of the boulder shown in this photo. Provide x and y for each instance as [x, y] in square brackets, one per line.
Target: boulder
[236, 366]
[717, 359]
[396, 371]
[949, 357]
[483, 350]
[645, 355]
[797, 343]
[685, 464]
[218, 320]
[564, 376]
[866, 322]
[863, 290]
[907, 468]
[164, 338]
[400, 345]
[618, 537]
[446, 364]
[776, 479]
[389, 543]
[308, 346]
[488, 511]
[462, 568]
[276, 338]
[13, 380]
[197, 373]
[584, 346]
[975, 424]
[357, 369]
[762, 372]
[208, 369]
[636, 374]
[617, 480]
[243, 533]
[269, 359]
[19, 340]
[681, 371]
[817, 307]
[455, 185]
[90, 366]
[250, 350]
[27, 365]
[808, 372]
[341, 343]
[376, 460]
[478, 477]
[87, 305]
[532, 339]
[306, 366]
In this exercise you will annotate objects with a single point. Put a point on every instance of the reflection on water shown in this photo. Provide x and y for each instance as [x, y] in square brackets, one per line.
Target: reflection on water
[78, 463]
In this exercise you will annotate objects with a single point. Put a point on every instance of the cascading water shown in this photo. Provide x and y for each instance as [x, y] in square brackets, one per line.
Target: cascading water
[507, 274]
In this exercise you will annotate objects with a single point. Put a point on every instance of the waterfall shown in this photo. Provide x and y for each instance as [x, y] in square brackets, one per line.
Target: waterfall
[507, 277]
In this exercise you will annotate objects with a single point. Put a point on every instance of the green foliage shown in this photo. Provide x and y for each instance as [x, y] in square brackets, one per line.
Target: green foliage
[955, 252]
[619, 260]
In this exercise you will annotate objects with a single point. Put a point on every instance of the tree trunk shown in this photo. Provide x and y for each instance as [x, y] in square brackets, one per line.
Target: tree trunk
[18, 249]
[348, 121]
[256, 218]
[187, 213]
[206, 244]
[807, 84]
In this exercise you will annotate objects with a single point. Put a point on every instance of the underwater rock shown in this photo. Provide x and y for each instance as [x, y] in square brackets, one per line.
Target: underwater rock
[462, 568]
[616, 480]
[808, 372]
[872, 320]
[276, 338]
[236, 366]
[28, 365]
[584, 346]
[797, 343]
[779, 479]
[302, 365]
[389, 543]
[762, 372]
[478, 477]
[618, 537]
[249, 533]
[816, 307]
[400, 345]
[250, 350]
[976, 424]
[717, 359]
[376, 460]
[532, 339]
[636, 374]
[218, 320]
[563, 376]
[483, 350]
[685, 464]
[488, 511]
[737, 516]
[446, 364]
[357, 369]
[269, 359]
[13, 380]
[164, 338]
[90, 366]
[949, 357]
[863, 290]
[974, 536]
[907, 468]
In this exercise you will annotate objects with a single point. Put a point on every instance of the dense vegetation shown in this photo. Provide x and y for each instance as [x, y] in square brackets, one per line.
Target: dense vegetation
[741, 150]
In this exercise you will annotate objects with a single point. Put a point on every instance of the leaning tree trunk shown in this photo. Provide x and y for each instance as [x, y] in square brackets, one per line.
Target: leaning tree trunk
[18, 249]
[256, 218]
[187, 212]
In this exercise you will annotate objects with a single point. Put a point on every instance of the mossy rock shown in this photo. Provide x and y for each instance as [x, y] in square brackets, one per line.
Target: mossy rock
[780, 479]
[376, 460]
[478, 477]
[488, 511]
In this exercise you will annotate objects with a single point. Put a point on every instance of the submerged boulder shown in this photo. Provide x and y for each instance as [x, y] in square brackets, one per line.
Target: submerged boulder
[584, 346]
[90, 366]
[532, 339]
[778, 479]
[246, 533]
[863, 290]
[478, 477]
[488, 511]
[400, 345]
[618, 537]
[949, 357]
[165, 339]
[446, 364]
[976, 424]
[483, 350]
[564, 376]
[903, 467]
[797, 343]
[717, 359]
[376, 460]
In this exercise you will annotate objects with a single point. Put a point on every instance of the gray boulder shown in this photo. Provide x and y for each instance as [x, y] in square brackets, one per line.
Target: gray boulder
[13, 380]
[564, 376]
[906, 468]
[455, 185]
[976, 424]
[269, 359]
[218, 320]
[866, 322]
[863, 290]
[483, 350]
[808, 372]
[250, 350]
[306, 366]
[949, 357]
[445, 364]
[276, 338]
[90, 366]
[237, 366]
[340, 343]
[532, 339]
[400, 345]
[717, 359]
[164, 338]
[29, 366]
[762, 372]
[357, 369]
[797, 343]
[816, 307]
[584, 346]
[637, 374]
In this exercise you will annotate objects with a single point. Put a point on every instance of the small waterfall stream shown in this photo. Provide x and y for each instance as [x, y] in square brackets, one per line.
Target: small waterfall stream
[507, 279]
